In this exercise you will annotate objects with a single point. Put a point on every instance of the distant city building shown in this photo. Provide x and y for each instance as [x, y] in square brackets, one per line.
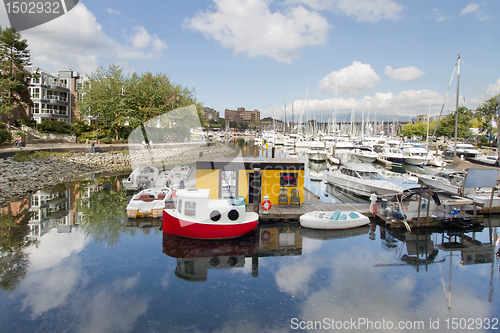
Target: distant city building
[54, 95]
[210, 114]
[419, 118]
[242, 116]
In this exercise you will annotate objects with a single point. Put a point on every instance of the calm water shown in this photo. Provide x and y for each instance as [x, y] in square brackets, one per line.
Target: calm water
[104, 274]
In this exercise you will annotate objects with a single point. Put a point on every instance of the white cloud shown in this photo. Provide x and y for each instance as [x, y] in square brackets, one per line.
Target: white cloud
[112, 11]
[470, 8]
[473, 9]
[350, 79]
[438, 16]
[75, 40]
[361, 10]
[493, 89]
[249, 27]
[409, 73]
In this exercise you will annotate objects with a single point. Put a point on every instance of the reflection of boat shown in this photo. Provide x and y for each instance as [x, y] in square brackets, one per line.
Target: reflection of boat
[333, 220]
[317, 169]
[197, 216]
[141, 178]
[334, 233]
[195, 257]
[362, 179]
[148, 203]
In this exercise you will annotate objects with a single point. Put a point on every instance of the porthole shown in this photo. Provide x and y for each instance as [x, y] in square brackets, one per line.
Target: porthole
[215, 215]
[233, 215]
[232, 261]
[214, 261]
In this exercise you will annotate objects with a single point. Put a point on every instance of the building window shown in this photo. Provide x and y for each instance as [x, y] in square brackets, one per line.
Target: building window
[288, 179]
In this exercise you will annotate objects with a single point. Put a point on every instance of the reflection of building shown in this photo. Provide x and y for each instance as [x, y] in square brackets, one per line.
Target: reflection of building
[226, 177]
[242, 116]
[471, 250]
[49, 210]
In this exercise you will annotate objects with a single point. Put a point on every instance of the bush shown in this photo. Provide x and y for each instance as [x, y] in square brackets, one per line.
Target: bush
[57, 127]
[3, 126]
[28, 122]
[4, 136]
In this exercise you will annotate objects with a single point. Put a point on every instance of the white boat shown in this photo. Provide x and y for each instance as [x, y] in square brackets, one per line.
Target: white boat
[176, 178]
[434, 160]
[149, 202]
[365, 156]
[464, 151]
[415, 155]
[198, 216]
[391, 155]
[333, 220]
[449, 181]
[362, 179]
[141, 178]
[317, 170]
[317, 151]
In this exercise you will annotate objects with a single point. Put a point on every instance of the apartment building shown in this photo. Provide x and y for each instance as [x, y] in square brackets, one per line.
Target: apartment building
[210, 114]
[242, 116]
[54, 95]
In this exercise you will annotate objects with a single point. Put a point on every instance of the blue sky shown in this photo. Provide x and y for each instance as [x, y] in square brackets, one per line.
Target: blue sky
[388, 58]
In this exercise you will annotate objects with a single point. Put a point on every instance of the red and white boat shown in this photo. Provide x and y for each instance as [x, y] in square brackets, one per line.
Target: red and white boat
[197, 216]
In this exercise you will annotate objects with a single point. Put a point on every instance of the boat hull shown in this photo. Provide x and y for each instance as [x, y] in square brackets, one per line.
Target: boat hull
[321, 220]
[381, 188]
[206, 230]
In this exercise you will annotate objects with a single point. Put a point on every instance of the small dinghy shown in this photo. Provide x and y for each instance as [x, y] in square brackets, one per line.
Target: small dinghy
[149, 202]
[333, 220]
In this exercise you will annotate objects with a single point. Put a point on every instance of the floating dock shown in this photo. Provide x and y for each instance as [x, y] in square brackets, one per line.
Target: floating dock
[311, 203]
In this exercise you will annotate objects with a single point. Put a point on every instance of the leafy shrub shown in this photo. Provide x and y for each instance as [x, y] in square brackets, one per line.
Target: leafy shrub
[58, 127]
[3, 126]
[28, 122]
[4, 136]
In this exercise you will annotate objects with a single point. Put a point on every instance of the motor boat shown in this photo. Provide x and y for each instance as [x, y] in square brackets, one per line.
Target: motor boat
[149, 202]
[445, 180]
[317, 151]
[391, 155]
[415, 155]
[365, 156]
[176, 178]
[141, 178]
[333, 220]
[362, 179]
[198, 216]
[317, 170]
[464, 151]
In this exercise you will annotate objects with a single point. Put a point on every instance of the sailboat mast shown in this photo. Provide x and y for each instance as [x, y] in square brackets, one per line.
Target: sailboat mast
[456, 113]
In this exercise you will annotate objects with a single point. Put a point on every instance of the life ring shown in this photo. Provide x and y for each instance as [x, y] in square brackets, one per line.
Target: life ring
[266, 205]
[265, 237]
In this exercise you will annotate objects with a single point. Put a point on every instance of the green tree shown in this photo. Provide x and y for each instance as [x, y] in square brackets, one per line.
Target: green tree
[446, 125]
[14, 79]
[103, 98]
[488, 116]
[233, 124]
[408, 130]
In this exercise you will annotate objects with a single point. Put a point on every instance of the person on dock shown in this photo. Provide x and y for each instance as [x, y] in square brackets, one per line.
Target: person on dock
[92, 147]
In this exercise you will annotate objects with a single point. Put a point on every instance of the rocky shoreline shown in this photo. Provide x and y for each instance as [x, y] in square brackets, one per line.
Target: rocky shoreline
[18, 179]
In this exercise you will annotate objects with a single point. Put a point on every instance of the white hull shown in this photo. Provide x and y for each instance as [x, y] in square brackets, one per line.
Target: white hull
[148, 203]
[363, 187]
[317, 156]
[419, 161]
[440, 183]
[333, 220]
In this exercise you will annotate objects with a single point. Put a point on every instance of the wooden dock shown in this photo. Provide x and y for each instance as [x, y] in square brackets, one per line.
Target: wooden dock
[292, 213]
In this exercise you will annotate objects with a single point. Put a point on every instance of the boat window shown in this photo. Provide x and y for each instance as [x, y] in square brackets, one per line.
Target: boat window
[190, 208]
[214, 261]
[233, 215]
[215, 215]
[179, 206]
[288, 179]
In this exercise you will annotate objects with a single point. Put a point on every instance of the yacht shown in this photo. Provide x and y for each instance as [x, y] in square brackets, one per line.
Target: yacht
[415, 155]
[391, 155]
[317, 151]
[362, 179]
[464, 151]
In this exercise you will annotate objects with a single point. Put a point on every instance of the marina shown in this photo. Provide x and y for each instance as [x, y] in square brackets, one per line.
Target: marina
[275, 271]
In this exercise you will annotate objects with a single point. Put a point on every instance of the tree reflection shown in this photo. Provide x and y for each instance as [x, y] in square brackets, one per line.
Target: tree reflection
[13, 261]
[102, 210]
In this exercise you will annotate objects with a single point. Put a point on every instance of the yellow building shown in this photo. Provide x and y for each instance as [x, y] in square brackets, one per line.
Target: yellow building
[232, 178]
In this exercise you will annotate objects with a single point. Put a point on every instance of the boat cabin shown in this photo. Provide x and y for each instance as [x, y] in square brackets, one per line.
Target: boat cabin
[235, 178]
